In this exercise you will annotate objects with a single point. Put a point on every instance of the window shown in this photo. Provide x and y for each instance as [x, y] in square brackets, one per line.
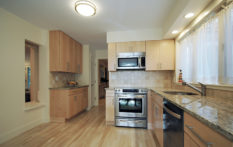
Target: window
[206, 55]
[31, 72]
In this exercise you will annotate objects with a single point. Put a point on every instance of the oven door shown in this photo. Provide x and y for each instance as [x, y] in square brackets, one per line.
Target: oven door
[128, 63]
[130, 105]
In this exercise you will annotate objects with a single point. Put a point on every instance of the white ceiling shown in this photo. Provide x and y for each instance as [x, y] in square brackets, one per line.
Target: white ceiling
[112, 15]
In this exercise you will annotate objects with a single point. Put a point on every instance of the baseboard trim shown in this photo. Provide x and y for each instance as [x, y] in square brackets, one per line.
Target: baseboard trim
[15, 132]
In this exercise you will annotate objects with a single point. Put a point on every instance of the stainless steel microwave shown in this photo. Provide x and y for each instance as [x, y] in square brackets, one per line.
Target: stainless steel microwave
[131, 60]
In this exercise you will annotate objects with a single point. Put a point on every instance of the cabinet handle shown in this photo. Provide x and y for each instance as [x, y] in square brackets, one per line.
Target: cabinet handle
[67, 66]
[78, 68]
[160, 65]
[75, 98]
[208, 144]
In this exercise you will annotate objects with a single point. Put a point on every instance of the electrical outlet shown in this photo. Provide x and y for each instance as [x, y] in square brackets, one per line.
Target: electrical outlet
[56, 78]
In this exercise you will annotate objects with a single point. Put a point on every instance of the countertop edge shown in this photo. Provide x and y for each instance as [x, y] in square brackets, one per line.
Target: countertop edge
[213, 126]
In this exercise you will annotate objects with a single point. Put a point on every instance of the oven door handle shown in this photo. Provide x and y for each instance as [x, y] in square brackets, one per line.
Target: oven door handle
[172, 113]
[131, 96]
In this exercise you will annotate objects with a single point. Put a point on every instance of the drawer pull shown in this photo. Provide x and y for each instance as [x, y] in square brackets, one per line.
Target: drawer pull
[208, 144]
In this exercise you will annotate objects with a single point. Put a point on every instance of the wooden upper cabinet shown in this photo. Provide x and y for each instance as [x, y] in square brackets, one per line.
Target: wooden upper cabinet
[63, 53]
[79, 59]
[160, 55]
[133, 46]
[112, 57]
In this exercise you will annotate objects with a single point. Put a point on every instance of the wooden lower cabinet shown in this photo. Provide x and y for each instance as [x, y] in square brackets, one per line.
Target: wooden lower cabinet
[197, 134]
[110, 112]
[64, 104]
[155, 116]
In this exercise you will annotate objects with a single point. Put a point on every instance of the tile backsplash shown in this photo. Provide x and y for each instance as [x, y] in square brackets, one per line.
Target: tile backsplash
[161, 79]
[60, 79]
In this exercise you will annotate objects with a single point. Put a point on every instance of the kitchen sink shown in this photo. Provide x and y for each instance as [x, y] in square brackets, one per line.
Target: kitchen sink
[179, 93]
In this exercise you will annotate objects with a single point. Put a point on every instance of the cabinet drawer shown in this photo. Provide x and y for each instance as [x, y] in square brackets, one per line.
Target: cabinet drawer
[202, 134]
[77, 90]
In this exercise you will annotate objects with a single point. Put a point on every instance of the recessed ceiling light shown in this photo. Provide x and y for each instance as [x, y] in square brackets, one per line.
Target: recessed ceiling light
[189, 15]
[175, 32]
[85, 8]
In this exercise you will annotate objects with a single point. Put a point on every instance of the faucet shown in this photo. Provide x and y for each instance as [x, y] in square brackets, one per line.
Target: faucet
[202, 91]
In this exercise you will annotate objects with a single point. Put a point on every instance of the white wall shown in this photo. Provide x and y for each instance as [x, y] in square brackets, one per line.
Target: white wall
[13, 118]
[99, 54]
[85, 77]
[134, 35]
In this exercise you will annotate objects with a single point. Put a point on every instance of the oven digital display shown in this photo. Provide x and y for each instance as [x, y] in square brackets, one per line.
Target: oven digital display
[130, 105]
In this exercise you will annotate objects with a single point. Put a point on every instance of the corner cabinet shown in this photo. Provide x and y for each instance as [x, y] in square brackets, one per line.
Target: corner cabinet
[64, 53]
[110, 112]
[160, 55]
[64, 104]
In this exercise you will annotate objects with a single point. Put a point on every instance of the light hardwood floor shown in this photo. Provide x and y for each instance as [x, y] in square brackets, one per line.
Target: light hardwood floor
[85, 130]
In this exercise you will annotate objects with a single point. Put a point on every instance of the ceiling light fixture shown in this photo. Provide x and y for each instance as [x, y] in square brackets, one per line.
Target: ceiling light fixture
[189, 15]
[175, 32]
[85, 8]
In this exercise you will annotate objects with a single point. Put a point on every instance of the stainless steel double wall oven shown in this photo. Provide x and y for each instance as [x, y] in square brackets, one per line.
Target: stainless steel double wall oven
[131, 107]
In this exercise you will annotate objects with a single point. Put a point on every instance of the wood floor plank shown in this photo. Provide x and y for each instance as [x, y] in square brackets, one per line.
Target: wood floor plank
[87, 129]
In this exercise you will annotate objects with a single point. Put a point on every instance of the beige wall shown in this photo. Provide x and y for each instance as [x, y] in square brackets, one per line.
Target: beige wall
[99, 54]
[13, 117]
[141, 79]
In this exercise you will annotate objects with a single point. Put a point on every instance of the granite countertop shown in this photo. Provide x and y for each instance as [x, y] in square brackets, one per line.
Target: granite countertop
[215, 113]
[69, 87]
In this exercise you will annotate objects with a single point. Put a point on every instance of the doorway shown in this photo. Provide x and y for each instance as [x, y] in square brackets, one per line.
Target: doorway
[103, 78]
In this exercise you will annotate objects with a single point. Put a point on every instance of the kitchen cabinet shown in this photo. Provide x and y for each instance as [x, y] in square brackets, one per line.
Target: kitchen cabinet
[133, 46]
[112, 57]
[63, 53]
[110, 113]
[197, 134]
[157, 117]
[66, 103]
[78, 59]
[160, 55]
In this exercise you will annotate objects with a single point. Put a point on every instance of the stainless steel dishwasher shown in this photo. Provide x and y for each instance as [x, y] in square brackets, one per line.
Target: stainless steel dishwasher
[173, 125]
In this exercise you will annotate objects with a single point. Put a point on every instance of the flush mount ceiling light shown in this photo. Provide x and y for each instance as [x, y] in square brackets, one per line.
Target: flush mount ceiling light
[189, 15]
[85, 8]
[175, 32]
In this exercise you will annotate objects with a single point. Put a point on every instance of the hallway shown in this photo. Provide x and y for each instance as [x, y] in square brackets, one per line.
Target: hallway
[85, 130]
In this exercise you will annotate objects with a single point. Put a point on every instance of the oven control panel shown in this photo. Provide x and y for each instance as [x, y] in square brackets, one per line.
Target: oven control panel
[131, 90]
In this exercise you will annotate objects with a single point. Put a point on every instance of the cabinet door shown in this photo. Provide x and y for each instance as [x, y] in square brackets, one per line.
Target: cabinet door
[72, 51]
[65, 52]
[112, 57]
[71, 107]
[54, 49]
[189, 142]
[123, 47]
[85, 98]
[137, 46]
[152, 55]
[109, 106]
[167, 55]
[79, 59]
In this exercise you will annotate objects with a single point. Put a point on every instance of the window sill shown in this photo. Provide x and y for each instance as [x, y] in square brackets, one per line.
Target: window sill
[32, 105]
[213, 86]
